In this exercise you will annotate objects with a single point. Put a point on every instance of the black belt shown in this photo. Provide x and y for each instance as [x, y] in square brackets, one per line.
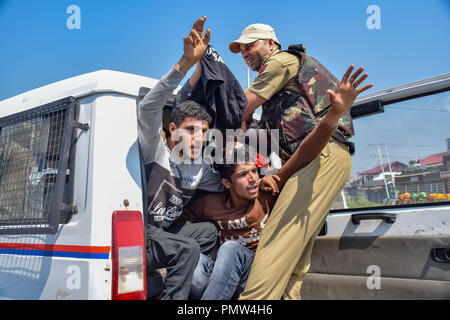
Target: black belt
[338, 136]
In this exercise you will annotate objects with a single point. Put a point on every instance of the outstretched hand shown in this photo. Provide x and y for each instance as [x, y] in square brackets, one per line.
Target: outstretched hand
[194, 45]
[343, 98]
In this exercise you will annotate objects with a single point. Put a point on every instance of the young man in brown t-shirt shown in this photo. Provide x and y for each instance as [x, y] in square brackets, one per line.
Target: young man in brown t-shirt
[240, 212]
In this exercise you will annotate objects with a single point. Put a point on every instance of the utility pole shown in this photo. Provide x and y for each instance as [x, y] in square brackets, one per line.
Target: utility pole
[390, 168]
[384, 174]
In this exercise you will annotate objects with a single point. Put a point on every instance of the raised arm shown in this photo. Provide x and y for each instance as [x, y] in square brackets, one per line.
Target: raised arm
[150, 108]
[189, 86]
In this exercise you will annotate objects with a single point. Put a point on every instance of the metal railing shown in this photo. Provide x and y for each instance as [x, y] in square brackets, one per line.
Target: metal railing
[35, 148]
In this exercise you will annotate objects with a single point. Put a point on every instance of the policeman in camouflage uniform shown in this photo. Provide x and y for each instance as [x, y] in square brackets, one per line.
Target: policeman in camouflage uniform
[297, 108]
[292, 88]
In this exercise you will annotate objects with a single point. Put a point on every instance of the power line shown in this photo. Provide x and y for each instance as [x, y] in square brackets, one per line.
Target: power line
[413, 109]
[410, 144]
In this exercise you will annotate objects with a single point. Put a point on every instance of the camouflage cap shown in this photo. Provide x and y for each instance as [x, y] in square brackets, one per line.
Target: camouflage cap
[253, 32]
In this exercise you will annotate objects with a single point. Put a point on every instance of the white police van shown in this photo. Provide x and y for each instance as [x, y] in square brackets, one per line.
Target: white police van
[72, 197]
[71, 190]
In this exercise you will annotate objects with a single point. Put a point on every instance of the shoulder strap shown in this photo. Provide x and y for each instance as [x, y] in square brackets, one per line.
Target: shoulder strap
[297, 47]
[297, 50]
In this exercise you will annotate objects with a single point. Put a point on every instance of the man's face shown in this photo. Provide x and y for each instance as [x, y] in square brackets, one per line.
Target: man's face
[245, 181]
[254, 53]
[191, 134]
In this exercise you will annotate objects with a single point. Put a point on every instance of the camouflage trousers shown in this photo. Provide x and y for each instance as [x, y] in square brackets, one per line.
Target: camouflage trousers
[284, 250]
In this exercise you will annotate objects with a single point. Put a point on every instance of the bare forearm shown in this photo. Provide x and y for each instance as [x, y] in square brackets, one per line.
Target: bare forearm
[184, 64]
[309, 149]
[253, 102]
[311, 146]
[195, 78]
[332, 118]
[248, 112]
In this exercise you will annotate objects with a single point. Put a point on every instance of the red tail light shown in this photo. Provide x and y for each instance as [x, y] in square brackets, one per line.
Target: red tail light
[128, 256]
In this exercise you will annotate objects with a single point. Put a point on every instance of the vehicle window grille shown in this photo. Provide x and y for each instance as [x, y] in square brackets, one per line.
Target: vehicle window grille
[35, 148]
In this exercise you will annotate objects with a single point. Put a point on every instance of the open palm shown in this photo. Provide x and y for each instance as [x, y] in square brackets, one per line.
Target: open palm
[195, 43]
[343, 98]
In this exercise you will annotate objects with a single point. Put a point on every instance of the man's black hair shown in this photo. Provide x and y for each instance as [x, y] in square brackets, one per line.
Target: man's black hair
[231, 161]
[189, 109]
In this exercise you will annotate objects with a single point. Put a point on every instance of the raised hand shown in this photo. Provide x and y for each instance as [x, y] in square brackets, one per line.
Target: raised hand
[342, 98]
[194, 45]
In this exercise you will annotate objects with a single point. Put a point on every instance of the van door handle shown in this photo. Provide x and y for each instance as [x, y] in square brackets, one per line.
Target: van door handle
[441, 254]
[386, 217]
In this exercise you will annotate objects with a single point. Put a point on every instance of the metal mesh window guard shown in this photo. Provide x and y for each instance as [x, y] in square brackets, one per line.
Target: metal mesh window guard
[35, 150]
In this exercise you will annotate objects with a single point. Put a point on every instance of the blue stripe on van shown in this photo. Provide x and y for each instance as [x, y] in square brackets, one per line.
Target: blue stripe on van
[46, 253]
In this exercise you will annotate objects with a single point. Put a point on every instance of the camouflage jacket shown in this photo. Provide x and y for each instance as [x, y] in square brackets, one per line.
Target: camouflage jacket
[295, 114]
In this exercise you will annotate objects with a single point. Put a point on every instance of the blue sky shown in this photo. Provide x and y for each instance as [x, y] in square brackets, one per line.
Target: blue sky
[145, 37]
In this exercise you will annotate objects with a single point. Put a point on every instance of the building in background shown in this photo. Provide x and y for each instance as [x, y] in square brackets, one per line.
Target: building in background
[420, 180]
